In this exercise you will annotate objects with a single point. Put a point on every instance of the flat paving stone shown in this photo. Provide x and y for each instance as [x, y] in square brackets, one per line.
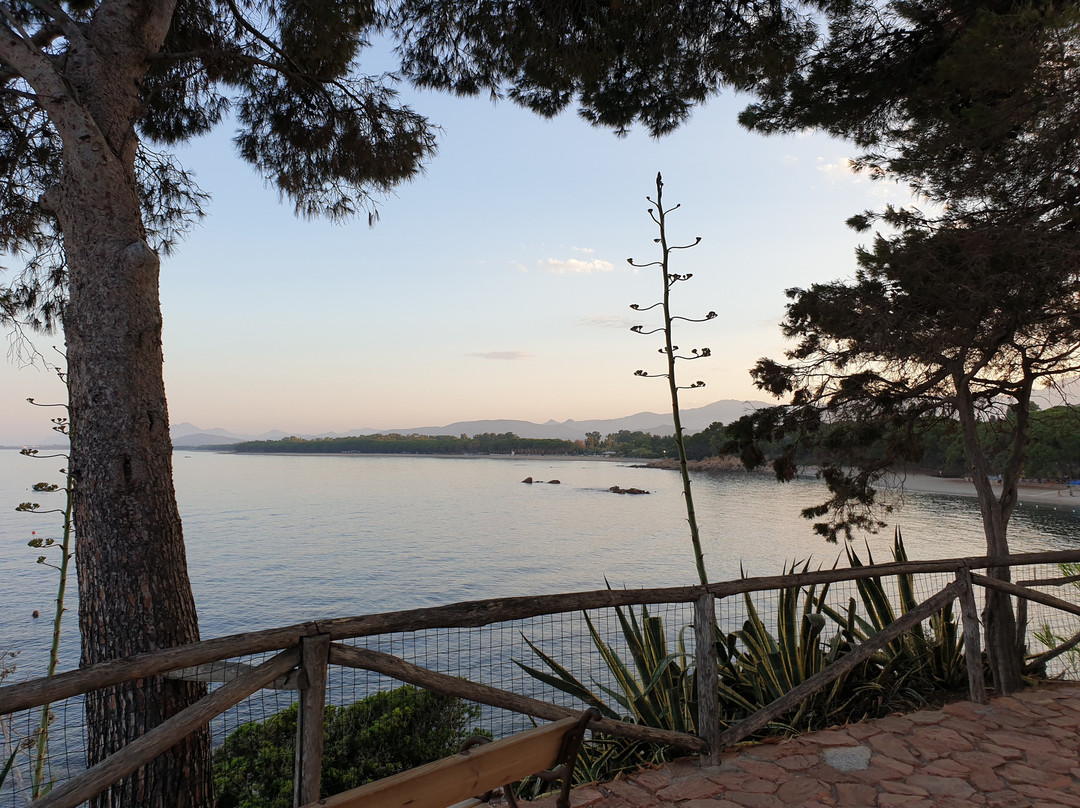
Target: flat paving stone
[1019, 751]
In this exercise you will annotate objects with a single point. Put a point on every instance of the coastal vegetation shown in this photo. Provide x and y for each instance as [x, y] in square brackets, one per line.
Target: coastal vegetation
[655, 684]
[379, 735]
[937, 445]
[482, 444]
[624, 443]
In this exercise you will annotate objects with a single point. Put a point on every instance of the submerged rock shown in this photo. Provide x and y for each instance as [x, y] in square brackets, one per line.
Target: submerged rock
[616, 490]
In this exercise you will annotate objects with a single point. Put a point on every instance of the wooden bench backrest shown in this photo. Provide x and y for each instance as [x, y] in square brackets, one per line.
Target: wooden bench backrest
[459, 777]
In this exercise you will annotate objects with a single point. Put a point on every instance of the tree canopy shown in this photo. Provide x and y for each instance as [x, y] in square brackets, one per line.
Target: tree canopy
[622, 63]
[323, 133]
[972, 103]
[958, 310]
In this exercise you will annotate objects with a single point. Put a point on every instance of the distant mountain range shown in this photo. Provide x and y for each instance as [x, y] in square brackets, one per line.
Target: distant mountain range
[694, 420]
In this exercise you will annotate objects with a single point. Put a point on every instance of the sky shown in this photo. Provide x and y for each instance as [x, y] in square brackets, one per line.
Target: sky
[495, 285]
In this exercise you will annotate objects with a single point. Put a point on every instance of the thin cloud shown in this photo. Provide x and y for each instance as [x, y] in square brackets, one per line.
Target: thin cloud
[606, 321]
[588, 250]
[839, 169]
[575, 266]
[504, 355]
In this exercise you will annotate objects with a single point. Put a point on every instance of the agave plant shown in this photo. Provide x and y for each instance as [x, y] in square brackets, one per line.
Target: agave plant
[1060, 647]
[757, 667]
[7, 767]
[921, 661]
[760, 662]
[656, 688]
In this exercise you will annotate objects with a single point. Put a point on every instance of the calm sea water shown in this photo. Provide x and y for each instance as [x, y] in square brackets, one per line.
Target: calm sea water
[274, 540]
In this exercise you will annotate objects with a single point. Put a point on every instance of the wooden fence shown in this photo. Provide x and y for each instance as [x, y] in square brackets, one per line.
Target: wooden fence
[303, 653]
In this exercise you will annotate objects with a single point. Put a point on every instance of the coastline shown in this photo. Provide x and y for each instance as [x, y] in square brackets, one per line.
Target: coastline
[1035, 493]
[909, 482]
[530, 457]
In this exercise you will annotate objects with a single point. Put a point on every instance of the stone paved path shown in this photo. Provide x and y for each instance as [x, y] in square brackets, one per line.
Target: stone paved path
[1019, 751]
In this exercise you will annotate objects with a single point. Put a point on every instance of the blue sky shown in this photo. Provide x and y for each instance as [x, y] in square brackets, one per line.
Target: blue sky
[495, 285]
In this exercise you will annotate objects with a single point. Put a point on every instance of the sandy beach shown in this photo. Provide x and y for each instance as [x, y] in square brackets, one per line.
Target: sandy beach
[1051, 493]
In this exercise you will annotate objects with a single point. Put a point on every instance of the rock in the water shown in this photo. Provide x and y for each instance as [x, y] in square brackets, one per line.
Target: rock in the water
[528, 480]
[616, 490]
[554, 482]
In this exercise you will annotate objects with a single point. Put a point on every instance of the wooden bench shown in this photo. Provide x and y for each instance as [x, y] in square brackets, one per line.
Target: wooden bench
[551, 750]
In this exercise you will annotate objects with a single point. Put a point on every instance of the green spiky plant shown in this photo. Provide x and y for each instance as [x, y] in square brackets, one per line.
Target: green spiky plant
[921, 661]
[7, 767]
[656, 688]
[7, 667]
[758, 667]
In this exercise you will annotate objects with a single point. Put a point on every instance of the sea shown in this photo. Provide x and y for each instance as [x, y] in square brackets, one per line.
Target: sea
[279, 539]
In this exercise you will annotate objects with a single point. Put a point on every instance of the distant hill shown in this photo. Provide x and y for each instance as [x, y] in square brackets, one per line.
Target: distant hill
[185, 436]
[694, 420]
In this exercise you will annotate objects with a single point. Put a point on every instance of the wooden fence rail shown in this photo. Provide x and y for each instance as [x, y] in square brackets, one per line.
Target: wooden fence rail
[306, 650]
[471, 614]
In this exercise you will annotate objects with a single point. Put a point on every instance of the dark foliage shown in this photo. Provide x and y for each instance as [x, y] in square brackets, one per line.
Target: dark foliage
[380, 735]
[622, 63]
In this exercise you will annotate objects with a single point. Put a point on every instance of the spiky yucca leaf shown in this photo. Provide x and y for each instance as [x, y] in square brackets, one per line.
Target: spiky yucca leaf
[654, 687]
[564, 680]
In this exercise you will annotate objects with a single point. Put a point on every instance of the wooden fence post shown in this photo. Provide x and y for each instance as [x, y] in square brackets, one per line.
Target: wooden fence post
[972, 643]
[307, 773]
[707, 681]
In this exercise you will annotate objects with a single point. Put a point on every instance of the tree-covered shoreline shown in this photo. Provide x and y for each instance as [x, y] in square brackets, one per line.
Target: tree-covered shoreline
[624, 443]
[1054, 453]
[394, 443]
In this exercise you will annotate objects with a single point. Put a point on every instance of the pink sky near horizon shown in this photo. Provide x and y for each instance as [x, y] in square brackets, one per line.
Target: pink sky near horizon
[493, 286]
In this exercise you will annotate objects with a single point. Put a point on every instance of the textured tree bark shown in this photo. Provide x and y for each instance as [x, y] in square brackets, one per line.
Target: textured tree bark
[999, 623]
[134, 593]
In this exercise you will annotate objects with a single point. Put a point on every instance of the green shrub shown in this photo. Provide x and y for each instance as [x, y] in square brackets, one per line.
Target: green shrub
[380, 735]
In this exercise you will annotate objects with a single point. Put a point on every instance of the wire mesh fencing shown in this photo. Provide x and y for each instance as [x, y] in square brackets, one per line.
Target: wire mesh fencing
[1046, 627]
[374, 723]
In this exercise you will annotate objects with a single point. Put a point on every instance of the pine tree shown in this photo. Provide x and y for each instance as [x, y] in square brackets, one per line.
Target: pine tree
[960, 310]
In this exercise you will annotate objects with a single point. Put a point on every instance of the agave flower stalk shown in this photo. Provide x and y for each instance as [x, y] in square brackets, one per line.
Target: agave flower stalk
[659, 215]
[38, 786]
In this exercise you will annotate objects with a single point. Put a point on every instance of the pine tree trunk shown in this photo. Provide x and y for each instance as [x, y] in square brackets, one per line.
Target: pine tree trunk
[134, 592]
[999, 623]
